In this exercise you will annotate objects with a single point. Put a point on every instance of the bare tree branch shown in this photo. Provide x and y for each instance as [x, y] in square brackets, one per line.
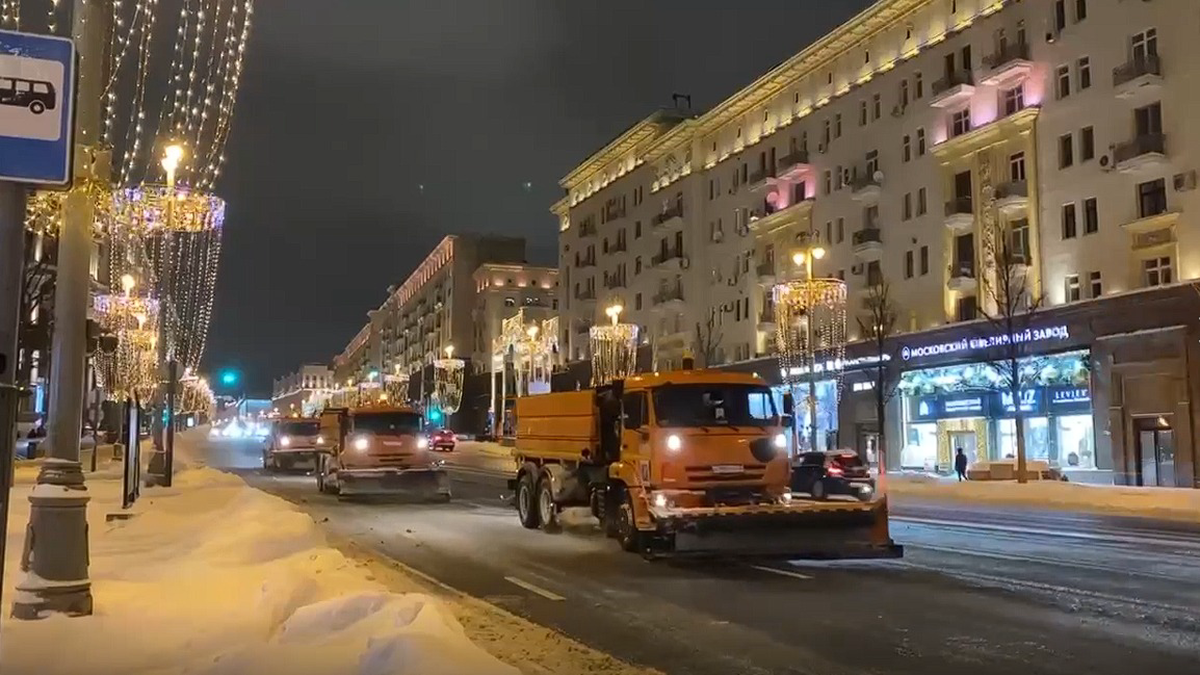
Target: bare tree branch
[708, 340]
[878, 325]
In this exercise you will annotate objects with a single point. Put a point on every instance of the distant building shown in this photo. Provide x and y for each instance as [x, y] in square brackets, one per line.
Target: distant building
[289, 392]
[501, 291]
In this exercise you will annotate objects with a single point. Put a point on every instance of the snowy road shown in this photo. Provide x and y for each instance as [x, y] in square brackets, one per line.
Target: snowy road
[980, 591]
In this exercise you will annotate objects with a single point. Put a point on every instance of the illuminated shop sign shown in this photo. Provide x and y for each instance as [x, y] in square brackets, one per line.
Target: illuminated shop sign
[1031, 401]
[1035, 401]
[836, 365]
[1068, 395]
[985, 342]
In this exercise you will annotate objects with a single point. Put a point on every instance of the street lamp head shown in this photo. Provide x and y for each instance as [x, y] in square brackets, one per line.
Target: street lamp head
[532, 332]
[172, 156]
[127, 283]
[449, 351]
[613, 311]
[818, 252]
[798, 258]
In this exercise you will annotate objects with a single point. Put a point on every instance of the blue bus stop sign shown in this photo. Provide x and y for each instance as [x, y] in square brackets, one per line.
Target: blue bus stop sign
[37, 97]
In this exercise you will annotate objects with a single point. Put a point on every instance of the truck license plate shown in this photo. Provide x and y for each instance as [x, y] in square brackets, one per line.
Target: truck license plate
[725, 469]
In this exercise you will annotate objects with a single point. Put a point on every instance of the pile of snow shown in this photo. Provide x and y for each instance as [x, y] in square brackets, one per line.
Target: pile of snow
[213, 577]
[1150, 502]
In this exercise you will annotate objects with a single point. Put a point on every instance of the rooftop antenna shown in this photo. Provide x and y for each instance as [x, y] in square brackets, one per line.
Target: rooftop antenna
[686, 98]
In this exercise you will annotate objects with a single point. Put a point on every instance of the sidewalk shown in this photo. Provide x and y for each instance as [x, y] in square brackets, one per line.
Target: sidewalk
[213, 577]
[1146, 502]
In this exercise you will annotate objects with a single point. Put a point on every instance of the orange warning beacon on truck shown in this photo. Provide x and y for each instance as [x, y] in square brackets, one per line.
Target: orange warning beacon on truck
[692, 462]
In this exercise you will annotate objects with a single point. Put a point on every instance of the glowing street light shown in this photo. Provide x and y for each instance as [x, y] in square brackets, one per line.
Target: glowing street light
[127, 283]
[613, 312]
[449, 351]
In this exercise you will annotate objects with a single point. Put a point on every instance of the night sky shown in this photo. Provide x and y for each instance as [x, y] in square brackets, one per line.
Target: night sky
[368, 130]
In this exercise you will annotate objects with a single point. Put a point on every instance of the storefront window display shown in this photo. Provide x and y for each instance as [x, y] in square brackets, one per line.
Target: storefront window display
[827, 414]
[967, 406]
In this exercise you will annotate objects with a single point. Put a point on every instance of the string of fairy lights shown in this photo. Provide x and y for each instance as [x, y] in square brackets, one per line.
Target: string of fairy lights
[161, 226]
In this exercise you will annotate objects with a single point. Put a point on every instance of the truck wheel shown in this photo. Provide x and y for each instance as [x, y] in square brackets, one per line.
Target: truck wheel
[267, 463]
[627, 533]
[547, 511]
[526, 506]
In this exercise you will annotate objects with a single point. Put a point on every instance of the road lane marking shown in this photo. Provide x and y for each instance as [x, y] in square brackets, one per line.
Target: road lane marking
[785, 573]
[1123, 539]
[535, 589]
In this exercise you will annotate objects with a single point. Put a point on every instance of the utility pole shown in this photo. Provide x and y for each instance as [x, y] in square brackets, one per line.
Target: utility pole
[12, 257]
[56, 542]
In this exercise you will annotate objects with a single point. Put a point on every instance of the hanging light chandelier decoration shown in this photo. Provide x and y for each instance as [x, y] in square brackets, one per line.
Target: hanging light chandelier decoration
[448, 374]
[810, 319]
[614, 348]
[395, 386]
[195, 396]
[131, 369]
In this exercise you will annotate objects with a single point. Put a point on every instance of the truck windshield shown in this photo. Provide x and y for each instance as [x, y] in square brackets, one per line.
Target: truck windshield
[698, 405]
[300, 428]
[389, 423]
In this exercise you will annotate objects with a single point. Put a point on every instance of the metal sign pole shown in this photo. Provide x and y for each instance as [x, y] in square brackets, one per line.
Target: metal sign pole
[12, 263]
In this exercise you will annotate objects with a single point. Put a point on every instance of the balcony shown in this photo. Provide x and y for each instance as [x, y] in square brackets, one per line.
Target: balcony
[766, 320]
[587, 229]
[766, 273]
[614, 282]
[1142, 75]
[760, 179]
[1146, 152]
[671, 260]
[1012, 198]
[792, 165]
[613, 212]
[1155, 216]
[619, 246]
[953, 90]
[589, 261]
[672, 215]
[867, 186]
[960, 215]
[1154, 241]
[868, 244]
[586, 295]
[669, 298]
[961, 277]
[1007, 66]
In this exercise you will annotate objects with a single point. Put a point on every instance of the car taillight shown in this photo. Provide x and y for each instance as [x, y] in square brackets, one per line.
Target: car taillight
[835, 470]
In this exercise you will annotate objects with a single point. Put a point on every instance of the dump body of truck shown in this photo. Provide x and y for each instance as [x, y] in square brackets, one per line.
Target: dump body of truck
[682, 463]
[378, 450]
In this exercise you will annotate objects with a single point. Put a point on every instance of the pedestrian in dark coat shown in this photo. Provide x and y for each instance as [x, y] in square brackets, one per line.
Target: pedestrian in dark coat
[960, 464]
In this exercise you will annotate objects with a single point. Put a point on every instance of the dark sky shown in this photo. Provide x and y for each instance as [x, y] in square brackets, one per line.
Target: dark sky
[348, 108]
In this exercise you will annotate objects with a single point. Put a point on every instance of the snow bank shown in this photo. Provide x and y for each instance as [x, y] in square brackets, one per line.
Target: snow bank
[1150, 502]
[216, 578]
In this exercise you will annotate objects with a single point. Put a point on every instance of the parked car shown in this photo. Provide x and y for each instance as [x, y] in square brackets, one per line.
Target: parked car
[841, 472]
[442, 439]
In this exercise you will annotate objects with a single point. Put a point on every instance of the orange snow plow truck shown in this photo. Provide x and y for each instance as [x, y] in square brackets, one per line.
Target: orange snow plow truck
[686, 463]
[378, 450]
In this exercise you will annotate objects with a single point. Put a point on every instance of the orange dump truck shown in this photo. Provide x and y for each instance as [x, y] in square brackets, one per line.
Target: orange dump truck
[378, 450]
[682, 463]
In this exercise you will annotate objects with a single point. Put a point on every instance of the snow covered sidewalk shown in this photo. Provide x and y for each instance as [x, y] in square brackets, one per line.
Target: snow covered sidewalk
[213, 577]
[1147, 502]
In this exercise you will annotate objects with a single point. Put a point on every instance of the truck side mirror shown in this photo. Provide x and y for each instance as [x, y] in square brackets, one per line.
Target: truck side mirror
[788, 421]
[789, 403]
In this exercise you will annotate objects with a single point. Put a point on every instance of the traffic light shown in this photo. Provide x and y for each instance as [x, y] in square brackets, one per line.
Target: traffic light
[229, 378]
[435, 415]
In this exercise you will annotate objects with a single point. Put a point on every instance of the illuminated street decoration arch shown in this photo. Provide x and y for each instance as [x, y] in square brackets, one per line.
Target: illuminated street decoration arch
[614, 348]
[810, 319]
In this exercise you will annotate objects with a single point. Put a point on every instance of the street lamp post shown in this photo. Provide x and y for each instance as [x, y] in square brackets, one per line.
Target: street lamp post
[162, 462]
[805, 258]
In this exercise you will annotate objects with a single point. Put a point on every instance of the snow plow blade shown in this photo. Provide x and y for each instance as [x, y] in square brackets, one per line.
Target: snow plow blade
[429, 483]
[805, 530]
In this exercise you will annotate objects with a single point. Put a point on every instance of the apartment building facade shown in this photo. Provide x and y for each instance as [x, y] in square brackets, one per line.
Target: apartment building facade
[501, 291]
[912, 144]
[290, 392]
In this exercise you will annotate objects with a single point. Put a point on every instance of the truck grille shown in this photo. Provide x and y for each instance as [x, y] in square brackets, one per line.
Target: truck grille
[719, 474]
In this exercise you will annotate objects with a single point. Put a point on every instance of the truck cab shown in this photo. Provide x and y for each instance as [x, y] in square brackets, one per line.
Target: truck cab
[378, 450]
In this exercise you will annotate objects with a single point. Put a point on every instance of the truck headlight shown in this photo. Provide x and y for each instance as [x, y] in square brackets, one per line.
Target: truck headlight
[674, 442]
[422, 443]
[320, 440]
[781, 441]
[660, 500]
[786, 497]
[362, 443]
[285, 441]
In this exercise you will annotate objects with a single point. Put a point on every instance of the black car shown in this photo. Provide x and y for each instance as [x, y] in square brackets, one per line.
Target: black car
[822, 474]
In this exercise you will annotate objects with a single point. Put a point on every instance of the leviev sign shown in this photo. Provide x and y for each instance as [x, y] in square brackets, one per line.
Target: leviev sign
[985, 342]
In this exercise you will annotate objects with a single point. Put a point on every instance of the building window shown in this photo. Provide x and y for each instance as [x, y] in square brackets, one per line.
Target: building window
[908, 210]
[837, 125]
[877, 105]
[1083, 73]
[1091, 216]
[1072, 288]
[637, 301]
[1087, 144]
[968, 308]
[908, 264]
[920, 142]
[1144, 45]
[872, 163]
[960, 122]
[1097, 288]
[637, 230]
[906, 148]
[1019, 240]
[841, 230]
[829, 230]
[1157, 271]
[637, 265]
[1069, 225]
[1060, 15]
[903, 94]
[924, 260]
[862, 113]
[918, 85]
[828, 182]
[1152, 198]
[1062, 81]
[1066, 151]
[1014, 100]
[922, 202]
[1016, 167]
[1080, 10]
